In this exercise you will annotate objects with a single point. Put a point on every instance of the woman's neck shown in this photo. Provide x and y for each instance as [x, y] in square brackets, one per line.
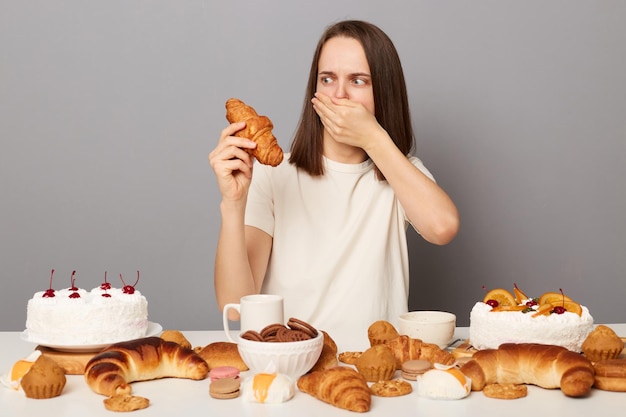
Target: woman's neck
[340, 152]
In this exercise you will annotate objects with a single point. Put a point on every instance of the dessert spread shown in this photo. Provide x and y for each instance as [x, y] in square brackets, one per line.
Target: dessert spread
[553, 319]
[75, 316]
[443, 383]
[269, 388]
[38, 376]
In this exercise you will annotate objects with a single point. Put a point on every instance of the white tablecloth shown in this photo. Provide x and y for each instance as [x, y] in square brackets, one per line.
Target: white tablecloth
[186, 398]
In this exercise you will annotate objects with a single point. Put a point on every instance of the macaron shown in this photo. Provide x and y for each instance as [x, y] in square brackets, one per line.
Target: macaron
[411, 369]
[222, 372]
[225, 388]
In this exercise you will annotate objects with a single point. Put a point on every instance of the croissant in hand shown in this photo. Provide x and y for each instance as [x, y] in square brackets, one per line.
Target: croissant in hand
[258, 129]
[546, 366]
[340, 386]
[110, 371]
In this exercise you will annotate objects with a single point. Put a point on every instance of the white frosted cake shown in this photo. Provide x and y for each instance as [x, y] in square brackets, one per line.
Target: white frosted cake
[76, 317]
[489, 329]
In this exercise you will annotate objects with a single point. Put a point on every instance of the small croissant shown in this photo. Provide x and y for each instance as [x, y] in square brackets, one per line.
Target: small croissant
[340, 386]
[258, 129]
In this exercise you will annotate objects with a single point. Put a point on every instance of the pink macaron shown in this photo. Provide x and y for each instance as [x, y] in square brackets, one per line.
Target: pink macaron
[221, 372]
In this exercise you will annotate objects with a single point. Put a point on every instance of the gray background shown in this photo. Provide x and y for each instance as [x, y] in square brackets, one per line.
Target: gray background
[108, 110]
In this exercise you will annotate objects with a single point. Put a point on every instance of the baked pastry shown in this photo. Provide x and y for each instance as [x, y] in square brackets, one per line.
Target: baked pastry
[404, 348]
[443, 384]
[376, 364]
[225, 388]
[112, 370]
[222, 354]
[258, 129]
[268, 388]
[611, 375]
[223, 372]
[341, 386]
[380, 331]
[391, 388]
[349, 358]
[505, 391]
[176, 337]
[125, 403]
[547, 366]
[412, 368]
[602, 343]
[44, 379]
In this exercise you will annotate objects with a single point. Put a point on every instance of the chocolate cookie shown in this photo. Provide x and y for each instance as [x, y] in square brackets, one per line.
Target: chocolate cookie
[271, 330]
[297, 324]
[252, 335]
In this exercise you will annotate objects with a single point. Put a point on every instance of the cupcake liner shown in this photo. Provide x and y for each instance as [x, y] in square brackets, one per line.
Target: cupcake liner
[43, 391]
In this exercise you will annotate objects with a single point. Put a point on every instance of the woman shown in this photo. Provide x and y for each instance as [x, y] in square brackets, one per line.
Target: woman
[327, 227]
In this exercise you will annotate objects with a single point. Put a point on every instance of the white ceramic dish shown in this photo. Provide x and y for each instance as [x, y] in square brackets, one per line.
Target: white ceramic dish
[293, 359]
[153, 330]
[429, 326]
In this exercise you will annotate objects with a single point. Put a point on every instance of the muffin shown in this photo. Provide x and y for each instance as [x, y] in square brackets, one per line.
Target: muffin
[45, 379]
[602, 343]
[376, 364]
[380, 331]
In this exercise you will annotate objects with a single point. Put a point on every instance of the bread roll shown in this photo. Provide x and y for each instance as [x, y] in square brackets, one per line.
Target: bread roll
[111, 371]
[546, 366]
[611, 375]
[222, 354]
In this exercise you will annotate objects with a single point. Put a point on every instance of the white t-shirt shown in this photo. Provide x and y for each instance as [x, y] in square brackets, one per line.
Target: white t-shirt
[339, 255]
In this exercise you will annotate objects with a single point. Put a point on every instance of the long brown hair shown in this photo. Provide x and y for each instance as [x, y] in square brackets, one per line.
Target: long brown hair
[391, 105]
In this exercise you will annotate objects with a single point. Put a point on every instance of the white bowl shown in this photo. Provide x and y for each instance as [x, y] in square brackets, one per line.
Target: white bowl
[293, 359]
[429, 326]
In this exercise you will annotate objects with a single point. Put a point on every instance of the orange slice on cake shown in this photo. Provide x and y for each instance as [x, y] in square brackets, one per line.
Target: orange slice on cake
[572, 307]
[502, 296]
[544, 310]
[553, 297]
[520, 307]
[519, 294]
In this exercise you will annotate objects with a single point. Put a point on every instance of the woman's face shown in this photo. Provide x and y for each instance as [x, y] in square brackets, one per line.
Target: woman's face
[343, 72]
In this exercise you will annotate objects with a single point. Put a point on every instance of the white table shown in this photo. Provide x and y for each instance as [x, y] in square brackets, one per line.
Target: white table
[180, 397]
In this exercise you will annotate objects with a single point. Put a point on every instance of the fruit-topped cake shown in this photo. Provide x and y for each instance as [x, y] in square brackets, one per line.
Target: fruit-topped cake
[505, 317]
[75, 317]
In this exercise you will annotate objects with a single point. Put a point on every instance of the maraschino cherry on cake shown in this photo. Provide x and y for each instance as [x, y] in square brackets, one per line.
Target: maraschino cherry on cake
[75, 317]
[505, 317]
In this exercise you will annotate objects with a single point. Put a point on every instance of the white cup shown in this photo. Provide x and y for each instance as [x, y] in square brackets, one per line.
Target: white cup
[255, 312]
[429, 326]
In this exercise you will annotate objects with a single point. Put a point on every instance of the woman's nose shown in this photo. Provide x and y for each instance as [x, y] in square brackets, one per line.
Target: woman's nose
[341, 91]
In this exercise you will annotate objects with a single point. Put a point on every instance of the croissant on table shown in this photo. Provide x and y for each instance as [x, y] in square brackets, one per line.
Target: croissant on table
[111, 371]
[258, 129]
[340, 386]
[547, 366]
[405, 348]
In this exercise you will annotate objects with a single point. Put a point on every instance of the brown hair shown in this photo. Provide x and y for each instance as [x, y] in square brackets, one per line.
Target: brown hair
[391, 105]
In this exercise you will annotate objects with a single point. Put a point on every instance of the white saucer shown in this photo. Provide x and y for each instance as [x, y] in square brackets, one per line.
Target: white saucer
[153, 330]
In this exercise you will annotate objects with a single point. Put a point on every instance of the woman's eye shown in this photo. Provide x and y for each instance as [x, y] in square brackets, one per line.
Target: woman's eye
[326, 80]
[359, 81]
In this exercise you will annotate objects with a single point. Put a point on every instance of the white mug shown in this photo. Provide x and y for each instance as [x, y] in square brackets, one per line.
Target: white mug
[255, 312]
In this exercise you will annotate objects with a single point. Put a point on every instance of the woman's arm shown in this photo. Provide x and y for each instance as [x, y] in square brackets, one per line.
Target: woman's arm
[242, 252]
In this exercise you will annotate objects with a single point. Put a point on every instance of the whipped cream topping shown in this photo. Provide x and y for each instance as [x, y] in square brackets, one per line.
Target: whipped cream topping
[488, 329]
